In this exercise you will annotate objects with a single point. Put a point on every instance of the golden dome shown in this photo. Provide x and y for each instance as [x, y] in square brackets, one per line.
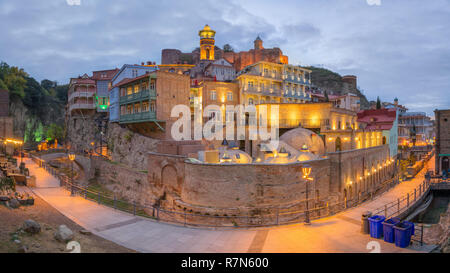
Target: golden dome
[206, 32]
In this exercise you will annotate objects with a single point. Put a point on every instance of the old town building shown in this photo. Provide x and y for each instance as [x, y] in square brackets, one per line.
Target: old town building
[385, 120]
[442, 118]
[415, 128]
[81, 96]
[102, 82]
[126, 72]
[265, 82]
[146, 102]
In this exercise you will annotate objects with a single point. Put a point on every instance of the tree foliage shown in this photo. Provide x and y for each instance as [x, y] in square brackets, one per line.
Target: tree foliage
[228, 48]
[44, 101]
[378, 103]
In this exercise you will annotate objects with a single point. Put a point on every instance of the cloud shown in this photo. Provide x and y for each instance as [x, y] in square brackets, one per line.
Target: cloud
[399, 49]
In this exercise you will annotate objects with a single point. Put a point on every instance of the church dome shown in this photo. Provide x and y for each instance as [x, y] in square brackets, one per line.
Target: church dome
[304, 140]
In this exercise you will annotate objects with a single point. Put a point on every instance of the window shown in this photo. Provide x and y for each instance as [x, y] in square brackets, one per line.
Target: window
[229, 96]
[152, 85]
[250, 84]
[136, 88]
[129, 109]
[122, 92]
[145, 105]
[250, 101]
[213, 95]
[137, 108]
[144, 86]
[123, 110]
[129, 90]
[153, 106]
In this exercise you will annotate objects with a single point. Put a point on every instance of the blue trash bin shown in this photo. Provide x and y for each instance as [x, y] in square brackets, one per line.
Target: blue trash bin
[376, 226]
[412, 228]
[402, 234]
[388, 229]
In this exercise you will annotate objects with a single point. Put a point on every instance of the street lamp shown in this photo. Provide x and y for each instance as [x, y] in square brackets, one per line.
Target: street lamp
[72, 157]
[306, 170]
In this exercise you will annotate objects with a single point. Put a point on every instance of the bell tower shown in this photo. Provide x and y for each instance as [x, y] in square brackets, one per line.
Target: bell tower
[207, 43]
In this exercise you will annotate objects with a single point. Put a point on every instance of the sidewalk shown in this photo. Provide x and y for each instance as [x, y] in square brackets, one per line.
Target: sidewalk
[339, 233]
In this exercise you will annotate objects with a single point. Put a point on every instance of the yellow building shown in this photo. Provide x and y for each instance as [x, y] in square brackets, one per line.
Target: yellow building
[338, 127]
[266, 82]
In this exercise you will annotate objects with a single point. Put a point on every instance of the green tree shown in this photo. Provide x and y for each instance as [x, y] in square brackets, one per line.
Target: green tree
[13, 80]
[378, 103]
[228, 48]
[54, 131]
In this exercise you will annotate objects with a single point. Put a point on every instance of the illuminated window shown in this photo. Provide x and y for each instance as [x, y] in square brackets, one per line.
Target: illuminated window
[129, 109]
[129, 90]
[136, 88]
[213, 95]
[229, 96]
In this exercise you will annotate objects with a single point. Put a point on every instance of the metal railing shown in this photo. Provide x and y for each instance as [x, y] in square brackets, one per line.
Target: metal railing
[186, 217]
[397, 207]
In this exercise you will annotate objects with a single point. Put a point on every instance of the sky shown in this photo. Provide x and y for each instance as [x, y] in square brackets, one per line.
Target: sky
[396, 48]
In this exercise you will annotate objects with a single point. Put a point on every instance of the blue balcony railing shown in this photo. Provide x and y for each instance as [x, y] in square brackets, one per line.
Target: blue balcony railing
[139, 96]
[138, 117]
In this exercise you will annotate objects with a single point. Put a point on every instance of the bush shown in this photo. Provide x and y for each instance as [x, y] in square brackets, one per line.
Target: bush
[7, 183]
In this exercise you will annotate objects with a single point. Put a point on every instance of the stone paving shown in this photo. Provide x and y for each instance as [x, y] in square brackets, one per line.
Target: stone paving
[338, 233]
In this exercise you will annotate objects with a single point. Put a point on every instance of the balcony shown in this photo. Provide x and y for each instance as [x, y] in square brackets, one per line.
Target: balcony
[138, 117]
[81, 94]
[82, 106]
[139, 96]
[296, 95]
[305, 123]
[268, 75]
[294, 79]
[265, 91]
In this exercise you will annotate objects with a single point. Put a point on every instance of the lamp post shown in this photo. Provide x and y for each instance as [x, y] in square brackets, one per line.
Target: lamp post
[306, 170]
[72, 157]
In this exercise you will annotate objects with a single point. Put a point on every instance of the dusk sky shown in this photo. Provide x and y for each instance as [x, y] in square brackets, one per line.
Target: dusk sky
[397, 48]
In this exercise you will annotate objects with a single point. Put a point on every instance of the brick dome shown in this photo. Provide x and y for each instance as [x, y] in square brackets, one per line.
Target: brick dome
[304, 140]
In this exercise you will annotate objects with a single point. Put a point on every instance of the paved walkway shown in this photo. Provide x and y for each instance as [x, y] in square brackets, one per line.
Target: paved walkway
[339, 233]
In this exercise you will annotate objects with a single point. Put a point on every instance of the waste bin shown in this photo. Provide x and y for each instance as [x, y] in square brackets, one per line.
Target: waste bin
[376, 226]
[402, 234]
[388, 229]
[365, 229]
[411, 230]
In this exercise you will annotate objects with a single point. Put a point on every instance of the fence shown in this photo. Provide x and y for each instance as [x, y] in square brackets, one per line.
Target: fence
[408, 201]
[256, 218]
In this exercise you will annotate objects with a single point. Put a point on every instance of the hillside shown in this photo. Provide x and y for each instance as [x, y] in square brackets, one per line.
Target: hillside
[330, 81]
[37, 108]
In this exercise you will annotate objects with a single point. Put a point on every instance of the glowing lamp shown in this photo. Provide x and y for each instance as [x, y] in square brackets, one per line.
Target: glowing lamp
[72, 156]
[306, 170]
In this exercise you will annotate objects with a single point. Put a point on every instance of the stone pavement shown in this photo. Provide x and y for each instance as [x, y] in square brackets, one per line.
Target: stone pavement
[338, 233]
